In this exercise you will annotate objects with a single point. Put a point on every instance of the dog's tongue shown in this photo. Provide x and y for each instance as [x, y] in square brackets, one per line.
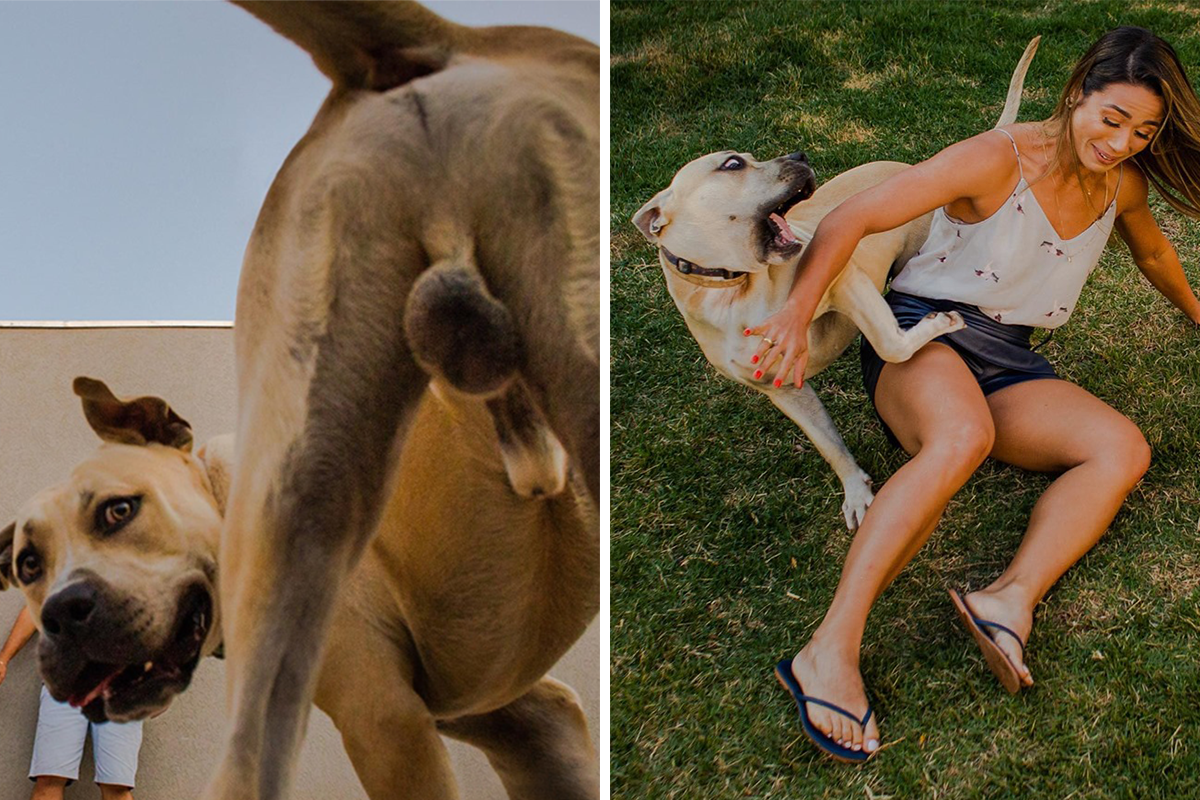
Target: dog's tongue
[78, 702]
[785, 234]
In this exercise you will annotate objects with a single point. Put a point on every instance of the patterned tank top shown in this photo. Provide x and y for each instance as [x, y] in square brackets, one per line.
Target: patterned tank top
[1012, 265]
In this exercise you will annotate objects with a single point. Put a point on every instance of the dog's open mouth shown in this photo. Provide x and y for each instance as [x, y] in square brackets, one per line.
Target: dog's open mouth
[778, 235]
[153, 680]
[783, 235]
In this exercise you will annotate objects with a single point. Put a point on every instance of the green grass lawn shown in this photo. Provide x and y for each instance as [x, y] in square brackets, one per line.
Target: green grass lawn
[727, 538]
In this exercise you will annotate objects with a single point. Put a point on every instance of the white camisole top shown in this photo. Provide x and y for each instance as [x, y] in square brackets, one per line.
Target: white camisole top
[1012, 265]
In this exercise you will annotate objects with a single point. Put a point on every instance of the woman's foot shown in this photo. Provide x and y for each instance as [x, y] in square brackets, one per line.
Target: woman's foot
[1012, 610]
[833, 676]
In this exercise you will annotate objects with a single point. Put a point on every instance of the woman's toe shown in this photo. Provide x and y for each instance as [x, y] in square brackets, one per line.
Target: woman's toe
[871, 736]
[820, 720]
[840, 734]
[856, 737]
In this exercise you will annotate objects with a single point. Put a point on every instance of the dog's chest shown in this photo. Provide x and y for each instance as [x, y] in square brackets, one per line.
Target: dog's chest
[717, 319]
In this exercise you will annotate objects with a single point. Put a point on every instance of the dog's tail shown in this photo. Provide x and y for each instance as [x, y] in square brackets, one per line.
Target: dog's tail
[374, 45]
[380, 45]
[467, 339]
[1013, 101]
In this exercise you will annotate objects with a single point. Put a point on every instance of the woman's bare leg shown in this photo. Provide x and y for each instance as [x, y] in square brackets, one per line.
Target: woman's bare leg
[934, 406]
[1053, 426]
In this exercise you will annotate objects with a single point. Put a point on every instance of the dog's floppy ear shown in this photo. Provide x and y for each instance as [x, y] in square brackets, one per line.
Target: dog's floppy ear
[140, 421]
[6, 554]
[652, 217]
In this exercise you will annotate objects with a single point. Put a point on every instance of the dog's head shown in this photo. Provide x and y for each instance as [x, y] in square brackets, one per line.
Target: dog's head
[725, 211]
[118, 564]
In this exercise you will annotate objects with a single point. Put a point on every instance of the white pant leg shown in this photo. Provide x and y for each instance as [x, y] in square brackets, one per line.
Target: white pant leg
[58, 744]
[116, 746]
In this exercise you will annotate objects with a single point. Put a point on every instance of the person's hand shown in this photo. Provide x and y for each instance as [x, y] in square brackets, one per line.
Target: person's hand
[784, 346]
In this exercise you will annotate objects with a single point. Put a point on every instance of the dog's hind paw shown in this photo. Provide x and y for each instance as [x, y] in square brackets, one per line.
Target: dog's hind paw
[945, 322]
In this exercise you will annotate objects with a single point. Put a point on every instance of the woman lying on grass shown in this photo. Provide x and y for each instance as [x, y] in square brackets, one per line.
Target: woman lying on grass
[1022, 215]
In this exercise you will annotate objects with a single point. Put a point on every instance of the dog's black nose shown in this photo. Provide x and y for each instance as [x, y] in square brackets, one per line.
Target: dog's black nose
[797, 156]
[67, 613]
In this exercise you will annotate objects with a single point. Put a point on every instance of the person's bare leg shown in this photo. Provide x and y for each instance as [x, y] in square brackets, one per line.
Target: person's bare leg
[1053, 426]
[109, 791]
[934, 406]
[48, 787]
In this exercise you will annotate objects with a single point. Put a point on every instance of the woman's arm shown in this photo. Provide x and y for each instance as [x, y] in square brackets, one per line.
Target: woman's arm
[1152, 251]
[22, 630]
[970, 169]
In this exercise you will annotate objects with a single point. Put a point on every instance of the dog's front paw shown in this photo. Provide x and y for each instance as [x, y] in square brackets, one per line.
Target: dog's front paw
[858, 499]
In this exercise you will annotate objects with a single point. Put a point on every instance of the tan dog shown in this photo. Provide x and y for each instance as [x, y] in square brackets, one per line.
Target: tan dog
[465, 598]
[730, 231]
[440, 218]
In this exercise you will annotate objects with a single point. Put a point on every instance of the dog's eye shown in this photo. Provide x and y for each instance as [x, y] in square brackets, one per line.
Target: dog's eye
[112, 515]
[29, 566]
[733, 162]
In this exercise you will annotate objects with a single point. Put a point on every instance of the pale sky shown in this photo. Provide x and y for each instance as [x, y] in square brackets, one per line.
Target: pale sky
[137, 140]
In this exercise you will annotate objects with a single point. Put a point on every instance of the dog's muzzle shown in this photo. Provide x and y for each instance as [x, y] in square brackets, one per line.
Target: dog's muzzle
[92, 654]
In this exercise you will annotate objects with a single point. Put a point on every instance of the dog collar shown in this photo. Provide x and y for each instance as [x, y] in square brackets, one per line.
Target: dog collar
[688, 268]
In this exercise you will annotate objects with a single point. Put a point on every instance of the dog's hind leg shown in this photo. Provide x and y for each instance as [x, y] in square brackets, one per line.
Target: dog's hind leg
[326, 390]
[804, 408]
[365, 686]
[857, 297]
[538, 744]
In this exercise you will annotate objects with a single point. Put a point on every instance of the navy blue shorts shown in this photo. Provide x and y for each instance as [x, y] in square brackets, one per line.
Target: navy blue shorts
[998, 355]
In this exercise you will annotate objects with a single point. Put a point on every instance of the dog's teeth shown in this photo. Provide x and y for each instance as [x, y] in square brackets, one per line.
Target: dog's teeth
[784, 233]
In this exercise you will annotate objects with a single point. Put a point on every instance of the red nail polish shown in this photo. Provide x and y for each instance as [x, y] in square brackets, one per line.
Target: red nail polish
[753, 359]
[757, 374]
[746, 332]
[778, 383]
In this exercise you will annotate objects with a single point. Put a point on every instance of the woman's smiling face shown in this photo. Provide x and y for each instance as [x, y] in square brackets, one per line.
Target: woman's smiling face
[1115, 123]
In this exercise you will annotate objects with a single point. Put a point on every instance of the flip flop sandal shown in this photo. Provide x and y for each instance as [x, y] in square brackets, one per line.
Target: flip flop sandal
[783, 673]
[1003, 668]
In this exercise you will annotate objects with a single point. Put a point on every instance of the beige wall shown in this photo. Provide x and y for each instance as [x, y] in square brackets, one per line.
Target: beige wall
[42, 435]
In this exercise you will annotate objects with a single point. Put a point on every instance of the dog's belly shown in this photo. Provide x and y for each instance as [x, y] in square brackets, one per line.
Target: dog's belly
[493, 588]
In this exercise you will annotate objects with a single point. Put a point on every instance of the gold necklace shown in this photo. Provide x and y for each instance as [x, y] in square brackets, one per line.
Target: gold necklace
[1086, 192]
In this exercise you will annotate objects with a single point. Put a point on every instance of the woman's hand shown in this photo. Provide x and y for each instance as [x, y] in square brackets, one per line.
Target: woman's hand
[784, 346]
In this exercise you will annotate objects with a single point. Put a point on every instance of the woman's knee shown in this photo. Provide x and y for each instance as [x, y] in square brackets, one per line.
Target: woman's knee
[1123, 451]
[962, 444]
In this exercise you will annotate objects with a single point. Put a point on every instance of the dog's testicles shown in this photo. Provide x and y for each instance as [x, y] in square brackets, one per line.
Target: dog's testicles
[466, 339]
[459, 333]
